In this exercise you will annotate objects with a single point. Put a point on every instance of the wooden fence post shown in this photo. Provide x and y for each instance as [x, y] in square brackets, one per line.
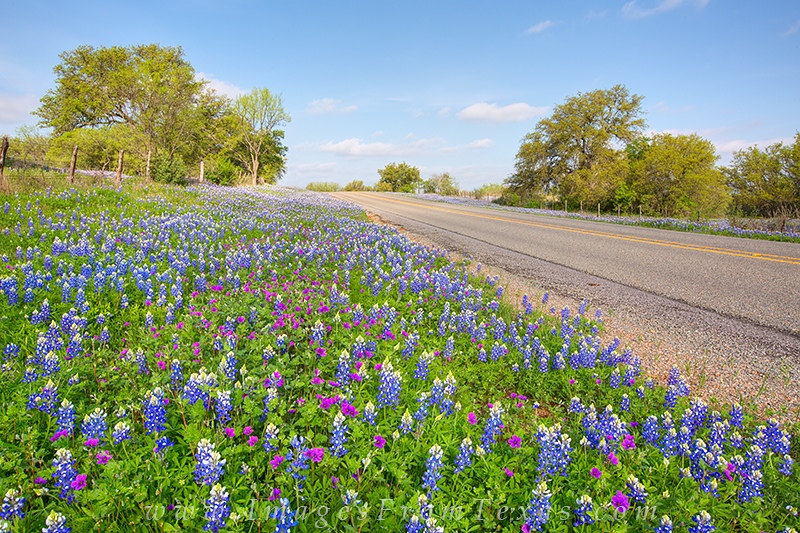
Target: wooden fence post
[119, 169]
[202, 170]
[598, 209]
[72, 164]
[3, 152]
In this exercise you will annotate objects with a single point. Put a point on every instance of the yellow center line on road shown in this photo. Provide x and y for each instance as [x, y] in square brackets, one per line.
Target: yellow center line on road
[701, 248]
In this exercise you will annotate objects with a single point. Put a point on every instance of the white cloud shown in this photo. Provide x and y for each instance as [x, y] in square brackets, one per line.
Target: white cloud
[481, 143]
[377, 133]
[631, 10]
[540, 27]
[328, 105]
[444, 112]
[222, 87]
[484, 112]
[15, 108]
[793, 29]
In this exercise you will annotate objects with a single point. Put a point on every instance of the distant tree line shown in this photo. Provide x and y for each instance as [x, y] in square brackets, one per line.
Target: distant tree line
[147, 101]
[592, 151]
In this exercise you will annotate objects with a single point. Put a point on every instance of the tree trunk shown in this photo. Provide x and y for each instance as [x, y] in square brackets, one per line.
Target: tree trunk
[255, 172]
[202, 170]
[72, 164]
[3, 152]
[147, 168]
[119, 168]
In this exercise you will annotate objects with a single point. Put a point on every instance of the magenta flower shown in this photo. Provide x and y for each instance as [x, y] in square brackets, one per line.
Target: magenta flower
[315, 454]
[472, 418]
[40, 480]
[230, 432]
[275, 494]
[620, 502]
[248, 430]
[508, 472]
[729, 469]
[276, 461]
[514, 441]
[627, 442]
[379, 441]
[104, 457]
[162, 365]
[252, 440]
[613, 459]
[596, 473]
[572, 381]
[79, 482]
[59, 434]
[91, 442]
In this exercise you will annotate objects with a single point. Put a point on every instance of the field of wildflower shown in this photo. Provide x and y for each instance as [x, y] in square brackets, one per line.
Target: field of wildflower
[265, 359]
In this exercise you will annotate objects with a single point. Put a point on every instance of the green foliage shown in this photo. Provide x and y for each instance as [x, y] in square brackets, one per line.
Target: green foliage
[766, 182]
[357, 185]
[223, 171]
[573, 151]
[400, 177]
[323, 186]
[441, 183]
[675, 175]
[166, 169]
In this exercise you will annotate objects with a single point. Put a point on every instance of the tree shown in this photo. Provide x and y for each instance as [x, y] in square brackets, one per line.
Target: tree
[441, 183]
[676, 175]
[399, 178]
[97, 148]
[148, 88]
[356, 185]
[575, 151]
[259, 114]
[766, 182]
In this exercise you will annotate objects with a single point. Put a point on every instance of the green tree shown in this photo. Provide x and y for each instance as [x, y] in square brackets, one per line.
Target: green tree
[148, 88]
[441, 183]
[323, 186]
[675, 175]
[98, 149]
[399, 177]
[574, 151]
[766, 182]
[356, 185]
[259, 114]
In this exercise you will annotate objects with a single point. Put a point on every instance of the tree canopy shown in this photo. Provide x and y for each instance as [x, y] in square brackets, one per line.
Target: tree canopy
[577, 150]
[399, 177]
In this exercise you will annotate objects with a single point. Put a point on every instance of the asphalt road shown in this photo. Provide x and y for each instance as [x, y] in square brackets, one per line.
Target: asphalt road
[753, 280]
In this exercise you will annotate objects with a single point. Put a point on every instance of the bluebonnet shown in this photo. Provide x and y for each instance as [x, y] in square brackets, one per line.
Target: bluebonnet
[625, 403]
[217, 508]
[736, 415]
[665, 525]
[432, 465]
[554, 449]
[423, 366]
[55, 523]
[296, 460]
[422, 411]
[369, 413]
[583, 514]
[338, 436]
[46, 400]
[210, 464]
[121, 432]
[285, 517]
[223, 406]
[493, 427]
[66, 417]
[464, 451]
[702, 522]
[154, 411]
[176, 374]
[539, 508]
[270, 433]
[65, 473]
[405, 423]
[94, 424]
[390, 386]
[637, 489]
[13, 503]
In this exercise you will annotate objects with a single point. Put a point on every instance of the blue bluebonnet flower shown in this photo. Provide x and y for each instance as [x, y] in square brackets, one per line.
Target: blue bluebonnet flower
[786, 465]
[583, 514]
[338, 436]
[55, 523]
[390, 386]
[539, 508]
[66, 417]
[625, 403]
[229, 366]
[155, 411]
[464, 451]
[94, 424]
[422, 410]
[45, 401]
[270, 433]
[210, 464]
[736, 415]
[554, 449]
[637, 490]
[297, 460]
[176, 374]
[493, 427]
[432, 465]
[121, 432]
[665, 525]
[575, 405]
[285, 517]
[350, 499]
[13, 503]
[65, 473]
[369, 413]
[702, 522]
[423, 366]
[223, 406]
[51, 364]
[160, 449]
[405, 423]
[217, 508]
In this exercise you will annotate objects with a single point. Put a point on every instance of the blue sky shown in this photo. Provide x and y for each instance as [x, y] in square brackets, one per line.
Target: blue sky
[445, 86]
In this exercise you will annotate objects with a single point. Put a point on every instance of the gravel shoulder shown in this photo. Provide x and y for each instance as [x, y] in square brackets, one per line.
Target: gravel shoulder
[725, 359]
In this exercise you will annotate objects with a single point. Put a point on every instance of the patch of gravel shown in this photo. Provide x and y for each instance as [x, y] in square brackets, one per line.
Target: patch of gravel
[725, 359]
